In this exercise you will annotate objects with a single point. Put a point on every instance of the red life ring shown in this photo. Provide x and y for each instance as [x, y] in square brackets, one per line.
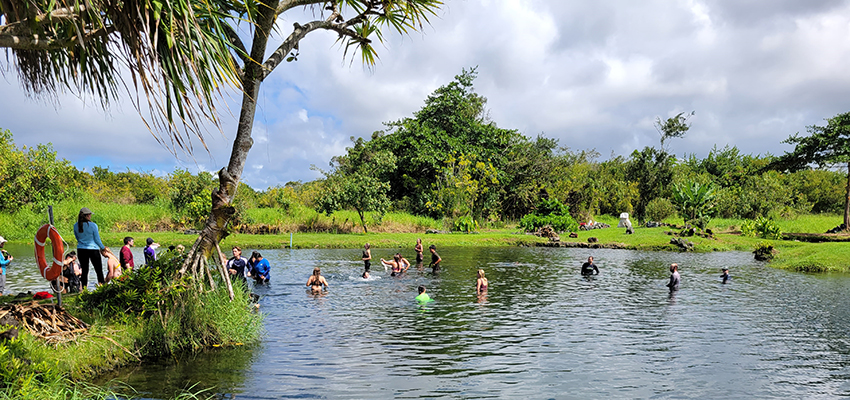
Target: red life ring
[41, 236]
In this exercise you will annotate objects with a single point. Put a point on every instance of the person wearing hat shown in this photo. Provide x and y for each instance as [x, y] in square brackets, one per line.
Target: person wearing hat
[5, 259]
[725, 276]
[89, 246]
[150, 251]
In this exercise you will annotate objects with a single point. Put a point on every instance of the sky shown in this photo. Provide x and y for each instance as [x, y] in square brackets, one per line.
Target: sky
[592, 74]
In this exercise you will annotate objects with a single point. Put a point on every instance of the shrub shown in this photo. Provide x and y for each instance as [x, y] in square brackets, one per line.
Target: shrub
[659, 209]
[172, 314]
[763, 251]
[549, 212]
[761, 227]
[465, 224]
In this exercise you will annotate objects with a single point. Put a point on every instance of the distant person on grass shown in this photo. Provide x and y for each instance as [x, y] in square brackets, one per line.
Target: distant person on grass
[89, 246]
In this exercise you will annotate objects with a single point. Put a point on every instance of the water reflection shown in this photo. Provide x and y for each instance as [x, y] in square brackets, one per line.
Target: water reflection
[541, 330]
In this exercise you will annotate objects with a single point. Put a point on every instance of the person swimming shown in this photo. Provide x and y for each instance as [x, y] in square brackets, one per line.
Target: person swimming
[366, 275]
[423, 297]
[316, 281]
[481, 283]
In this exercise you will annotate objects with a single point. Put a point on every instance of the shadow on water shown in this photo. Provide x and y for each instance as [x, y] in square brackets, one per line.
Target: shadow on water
[541, 331]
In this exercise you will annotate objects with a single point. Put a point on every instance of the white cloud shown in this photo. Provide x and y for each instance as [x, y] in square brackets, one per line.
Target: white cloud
[593, 74]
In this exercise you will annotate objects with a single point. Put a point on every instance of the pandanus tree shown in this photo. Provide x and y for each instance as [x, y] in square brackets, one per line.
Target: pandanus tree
[178, 54]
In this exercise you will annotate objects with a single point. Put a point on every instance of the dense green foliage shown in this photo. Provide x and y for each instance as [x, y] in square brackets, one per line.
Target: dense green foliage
[761, 227]
[549, 212]
[175, 316]
[449, 165]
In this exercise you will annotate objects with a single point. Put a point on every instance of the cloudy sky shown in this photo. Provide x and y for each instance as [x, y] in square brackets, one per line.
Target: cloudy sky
[593, 74]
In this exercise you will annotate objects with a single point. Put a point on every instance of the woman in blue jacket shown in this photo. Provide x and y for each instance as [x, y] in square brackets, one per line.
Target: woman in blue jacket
[88, 246]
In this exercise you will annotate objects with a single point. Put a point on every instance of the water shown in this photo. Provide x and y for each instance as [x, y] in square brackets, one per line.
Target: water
[542, 331]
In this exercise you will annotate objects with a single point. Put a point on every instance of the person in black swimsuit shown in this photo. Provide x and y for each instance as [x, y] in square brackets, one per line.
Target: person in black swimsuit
[419, 249]
[435, 258]
[589, 267]
[367, 257]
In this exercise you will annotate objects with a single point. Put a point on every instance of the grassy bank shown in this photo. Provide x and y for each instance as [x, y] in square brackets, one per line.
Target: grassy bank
[400, 230]
[144, 315]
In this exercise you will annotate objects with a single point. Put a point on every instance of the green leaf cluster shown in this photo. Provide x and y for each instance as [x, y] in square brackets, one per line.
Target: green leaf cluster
[549, 212]
[695, 202]
[761, 227]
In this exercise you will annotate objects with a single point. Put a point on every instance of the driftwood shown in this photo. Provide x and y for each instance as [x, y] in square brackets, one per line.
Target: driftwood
[45, 321]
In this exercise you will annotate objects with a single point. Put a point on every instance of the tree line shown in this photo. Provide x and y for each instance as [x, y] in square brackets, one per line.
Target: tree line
[450, 161]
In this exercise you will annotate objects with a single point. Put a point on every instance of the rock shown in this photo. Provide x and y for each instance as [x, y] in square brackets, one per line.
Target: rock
[629, 230]
[9, 335]
[191, 232]
[683, 244]
[573, 235]
[654, 224]
[839, 228]
[592, 240]
[434, 231]
[548, 232]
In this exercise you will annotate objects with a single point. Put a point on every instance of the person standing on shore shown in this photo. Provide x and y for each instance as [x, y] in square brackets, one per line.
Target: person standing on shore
[674, 277]
[125, 255]
[89, 246]
[5, 259]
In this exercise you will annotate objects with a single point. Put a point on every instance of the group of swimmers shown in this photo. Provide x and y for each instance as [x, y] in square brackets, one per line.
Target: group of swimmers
[589, 268]
[399, 264]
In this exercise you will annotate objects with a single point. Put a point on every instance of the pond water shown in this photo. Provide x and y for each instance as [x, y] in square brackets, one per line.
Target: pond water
[542, 331]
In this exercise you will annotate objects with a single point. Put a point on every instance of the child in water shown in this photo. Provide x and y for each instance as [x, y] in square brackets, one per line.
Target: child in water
[725, 275]
[423, 297]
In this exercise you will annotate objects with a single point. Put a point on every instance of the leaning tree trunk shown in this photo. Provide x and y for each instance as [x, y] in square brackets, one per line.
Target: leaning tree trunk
[215, 228]
[847, 201]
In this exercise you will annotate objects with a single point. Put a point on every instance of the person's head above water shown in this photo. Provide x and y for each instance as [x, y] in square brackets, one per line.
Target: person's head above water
[674, 267]
[365, 275]
[590, 259]
[432, 247]
[317, 271]
[421, 289]
[480, 273]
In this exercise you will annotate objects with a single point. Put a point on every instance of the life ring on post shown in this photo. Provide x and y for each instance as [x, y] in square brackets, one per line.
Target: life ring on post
[55, 269]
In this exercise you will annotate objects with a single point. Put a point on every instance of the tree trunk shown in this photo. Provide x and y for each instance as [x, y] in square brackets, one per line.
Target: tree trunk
[222, 197]
[362, 220]
[847, 201]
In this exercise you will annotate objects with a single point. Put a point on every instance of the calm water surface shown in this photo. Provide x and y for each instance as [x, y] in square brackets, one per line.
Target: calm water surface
[542, 331]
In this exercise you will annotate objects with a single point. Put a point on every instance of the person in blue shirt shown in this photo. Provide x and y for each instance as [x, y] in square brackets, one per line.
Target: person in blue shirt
[88, 246]
[5, 259]
[260, 268]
